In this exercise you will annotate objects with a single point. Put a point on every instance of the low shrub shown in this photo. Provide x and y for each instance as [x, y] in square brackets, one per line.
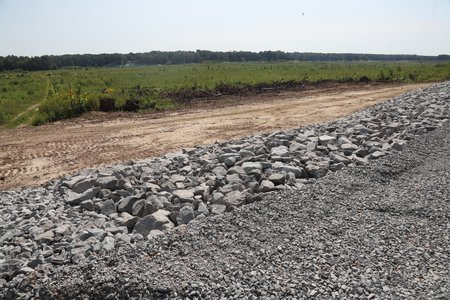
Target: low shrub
[59, 106]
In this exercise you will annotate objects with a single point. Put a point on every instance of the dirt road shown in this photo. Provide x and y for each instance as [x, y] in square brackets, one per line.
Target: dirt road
[33, 155]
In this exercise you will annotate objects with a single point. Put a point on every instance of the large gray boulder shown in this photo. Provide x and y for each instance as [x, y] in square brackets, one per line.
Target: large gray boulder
[377, 154]
[398, 144]
[186, 215]
[217, 209]
[156, 221]
[108, 182]
[108, 207]
[266, 186]
[280, 151]
[229, 159]
[177, 178]
[75, 198]
[184, 195]
[324, 140]
[127, 220]
[349, 148]
[295, 146]
[277, 178]
[316, 170]
[126, 204]
[219, 171]
[251, 166]
[235, 198]
[83, 185]
[298, 171]
[142, 208]
[203, 190]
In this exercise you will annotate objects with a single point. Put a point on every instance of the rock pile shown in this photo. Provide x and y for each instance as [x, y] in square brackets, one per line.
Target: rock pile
[71, 219]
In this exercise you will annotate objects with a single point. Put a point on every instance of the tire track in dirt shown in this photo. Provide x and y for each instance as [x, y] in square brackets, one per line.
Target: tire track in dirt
[33, 155]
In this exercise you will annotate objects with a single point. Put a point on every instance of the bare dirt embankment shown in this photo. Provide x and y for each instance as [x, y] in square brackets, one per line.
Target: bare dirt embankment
[33, 155]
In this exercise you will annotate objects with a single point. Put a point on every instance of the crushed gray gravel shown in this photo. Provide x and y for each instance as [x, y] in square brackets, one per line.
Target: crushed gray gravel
[365, 216]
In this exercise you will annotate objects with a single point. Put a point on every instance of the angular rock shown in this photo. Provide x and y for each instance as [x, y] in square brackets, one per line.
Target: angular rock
[332, 147]
[98, 233]
[158, 202]
[277, 178]
[108, 207]
[186, 215]
[235, 186]
[324, 140]
[398, 145]
[124, 238]
[266, 186]
[236, 170]
[109, 182]
[219, 171]
[280, 151]
[349, 148]
[88, 205]
[128, 220]
[202, 208]
[34, 262]
[377, 154]
[246, 153]
[316, 171]
[11, 265]
[250, 166]
[155, 221]
[154, 233]
[168, 186]
[177, 178]
[336, 158]
[142, 208]
[204, 191]
[233, 178]
[311, 146]
[298, 171]
[230, 157]
[358, 160]
[126, 204]
[72, 181]
[235, 198]
[109, 243]
[217, 209]
[294, 147]
[116, 230]
[218, 198]
[62, 229]
[184, 195]
[9, 235]
[231, 161]
[337, 167]
[83, 185]
[154, 188]
[75, 199]
[118, 195]
[250, 198]
[361, 153]
[256, 173]
[46, 237]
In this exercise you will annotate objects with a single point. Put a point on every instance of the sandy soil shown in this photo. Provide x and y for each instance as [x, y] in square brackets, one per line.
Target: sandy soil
[33, 155]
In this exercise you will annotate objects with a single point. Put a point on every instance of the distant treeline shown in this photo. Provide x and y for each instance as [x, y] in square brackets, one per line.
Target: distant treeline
[51, 62]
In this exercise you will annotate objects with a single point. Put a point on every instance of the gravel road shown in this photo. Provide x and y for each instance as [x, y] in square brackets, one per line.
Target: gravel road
[379, 231]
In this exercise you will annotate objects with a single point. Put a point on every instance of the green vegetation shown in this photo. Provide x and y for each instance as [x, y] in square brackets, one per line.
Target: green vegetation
[52, 62]
[43, 96]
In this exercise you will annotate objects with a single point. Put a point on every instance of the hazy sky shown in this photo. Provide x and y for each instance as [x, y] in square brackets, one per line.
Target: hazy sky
[38, 27]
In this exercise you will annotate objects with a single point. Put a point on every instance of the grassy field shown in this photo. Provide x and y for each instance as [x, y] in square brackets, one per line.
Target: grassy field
[40, 97]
